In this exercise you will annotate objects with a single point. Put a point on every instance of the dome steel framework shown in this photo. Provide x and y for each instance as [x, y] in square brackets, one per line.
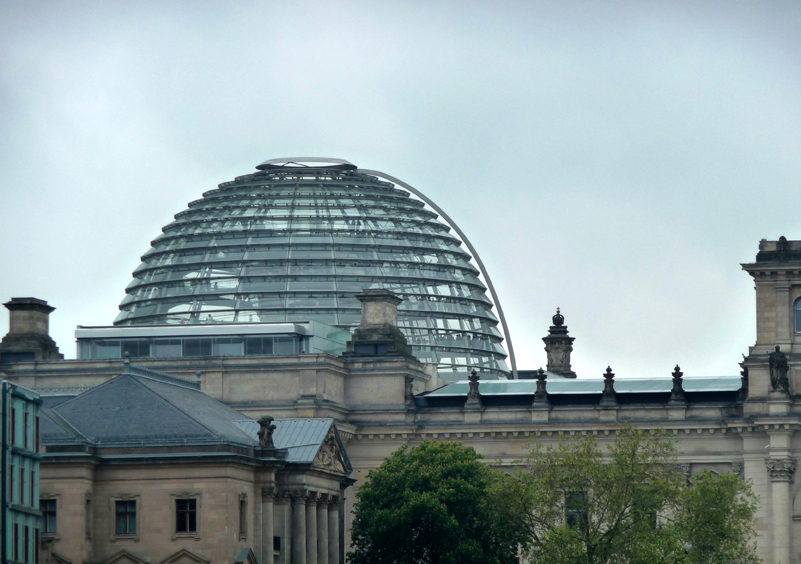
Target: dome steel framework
[297, 240]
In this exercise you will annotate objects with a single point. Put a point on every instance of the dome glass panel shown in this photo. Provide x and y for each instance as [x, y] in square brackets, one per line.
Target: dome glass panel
[295, 243]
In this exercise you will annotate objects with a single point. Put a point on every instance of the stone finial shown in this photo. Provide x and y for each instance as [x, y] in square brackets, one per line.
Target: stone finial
[28, 336]
[609, 396]
[379, 307]
[780, 469]
[559, 345]
[378, 333]
[541, 395]
[473, 396]
[266, 430]
[677, 393]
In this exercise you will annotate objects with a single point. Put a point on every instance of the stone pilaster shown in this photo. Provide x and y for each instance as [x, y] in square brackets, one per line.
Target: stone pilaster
[781, 472]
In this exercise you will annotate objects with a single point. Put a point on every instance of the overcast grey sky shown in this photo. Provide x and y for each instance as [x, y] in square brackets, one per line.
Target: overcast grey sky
[616, 159]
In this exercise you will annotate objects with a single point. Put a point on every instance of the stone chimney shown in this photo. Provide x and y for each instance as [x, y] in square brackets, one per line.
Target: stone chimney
[378, 333]
[559, 345]
[28, 335]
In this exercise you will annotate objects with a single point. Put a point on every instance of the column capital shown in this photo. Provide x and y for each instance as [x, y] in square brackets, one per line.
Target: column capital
[312, 497]
[334, 500]
[780, 469]
[269, 492]
[298, 496]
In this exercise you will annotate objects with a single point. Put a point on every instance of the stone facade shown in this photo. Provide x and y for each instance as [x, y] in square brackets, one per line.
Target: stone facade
[753, 434]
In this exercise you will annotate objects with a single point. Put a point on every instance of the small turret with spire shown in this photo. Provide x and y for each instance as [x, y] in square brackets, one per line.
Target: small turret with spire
[559, 345]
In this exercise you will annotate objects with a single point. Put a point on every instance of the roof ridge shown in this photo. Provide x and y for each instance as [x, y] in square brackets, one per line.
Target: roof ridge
[61, 421]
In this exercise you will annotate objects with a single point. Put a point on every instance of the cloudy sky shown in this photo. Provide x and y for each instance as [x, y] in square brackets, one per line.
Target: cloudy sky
[615, 159]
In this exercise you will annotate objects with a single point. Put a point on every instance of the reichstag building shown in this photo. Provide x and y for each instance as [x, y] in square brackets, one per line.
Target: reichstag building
[295, 326]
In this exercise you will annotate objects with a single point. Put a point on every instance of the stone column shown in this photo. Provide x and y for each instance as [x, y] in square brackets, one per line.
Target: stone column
[267, 525]
[322, 530]
[311, 528]
[781, 472]
[286, 525]
[333, 530]
[299, 528]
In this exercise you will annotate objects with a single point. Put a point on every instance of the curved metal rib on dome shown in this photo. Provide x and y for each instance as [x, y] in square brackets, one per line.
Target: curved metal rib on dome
[470, 246]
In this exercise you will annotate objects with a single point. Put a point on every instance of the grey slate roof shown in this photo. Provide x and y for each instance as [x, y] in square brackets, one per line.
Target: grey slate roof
[139, 409]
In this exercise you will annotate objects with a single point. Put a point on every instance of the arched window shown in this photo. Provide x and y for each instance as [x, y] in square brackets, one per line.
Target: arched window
[798, 315]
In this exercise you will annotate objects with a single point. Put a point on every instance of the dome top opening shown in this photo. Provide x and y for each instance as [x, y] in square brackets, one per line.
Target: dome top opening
[306, 162]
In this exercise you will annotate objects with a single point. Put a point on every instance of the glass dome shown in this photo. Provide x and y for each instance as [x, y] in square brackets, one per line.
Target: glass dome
[296, 241]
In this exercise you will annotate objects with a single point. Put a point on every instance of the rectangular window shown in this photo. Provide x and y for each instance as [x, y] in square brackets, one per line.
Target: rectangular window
[27, 544]
[185, 515]
[11, 485]
[36, 545]
[48, 509]
[243, 516]
[576, 511]
[126, 517]
[32, 484]
[25, 416]
[37, 433]
[22, 486]
[16, 542]
[13, 427]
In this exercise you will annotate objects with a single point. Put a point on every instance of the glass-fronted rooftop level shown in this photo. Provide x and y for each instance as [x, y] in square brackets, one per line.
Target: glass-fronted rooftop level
[160, 341]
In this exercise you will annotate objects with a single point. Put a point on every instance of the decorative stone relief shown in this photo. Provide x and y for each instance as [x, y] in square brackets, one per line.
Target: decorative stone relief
[329, 456]
[780, 469]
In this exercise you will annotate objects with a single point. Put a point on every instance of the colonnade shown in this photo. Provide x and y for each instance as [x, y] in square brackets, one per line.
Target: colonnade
[311, 532]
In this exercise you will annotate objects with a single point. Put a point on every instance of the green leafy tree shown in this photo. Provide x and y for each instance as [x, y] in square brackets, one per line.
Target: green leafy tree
[429, 505]
[575, 503]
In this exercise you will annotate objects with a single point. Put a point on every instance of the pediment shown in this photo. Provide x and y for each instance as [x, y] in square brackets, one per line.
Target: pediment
[331, 454]
[61, 559]
[246, 556]
[124, 557]
[185, 556]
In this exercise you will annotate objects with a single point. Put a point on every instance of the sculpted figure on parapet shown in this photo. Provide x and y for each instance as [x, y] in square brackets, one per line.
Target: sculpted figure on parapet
[265, 434]
[779, 368]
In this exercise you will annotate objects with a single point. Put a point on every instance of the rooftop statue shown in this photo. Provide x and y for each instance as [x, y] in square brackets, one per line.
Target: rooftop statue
[778, 371]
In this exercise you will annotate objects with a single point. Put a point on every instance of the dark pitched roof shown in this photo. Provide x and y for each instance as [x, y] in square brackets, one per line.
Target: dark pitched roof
[144, 410]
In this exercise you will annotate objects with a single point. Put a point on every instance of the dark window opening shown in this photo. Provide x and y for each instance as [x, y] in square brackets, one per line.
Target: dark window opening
[48, 509]
[372, 350]
[798, 315]
[243, 517]
[576, 511]
[276, 544]
[17, 357]
[126, 517]
[185, 515]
